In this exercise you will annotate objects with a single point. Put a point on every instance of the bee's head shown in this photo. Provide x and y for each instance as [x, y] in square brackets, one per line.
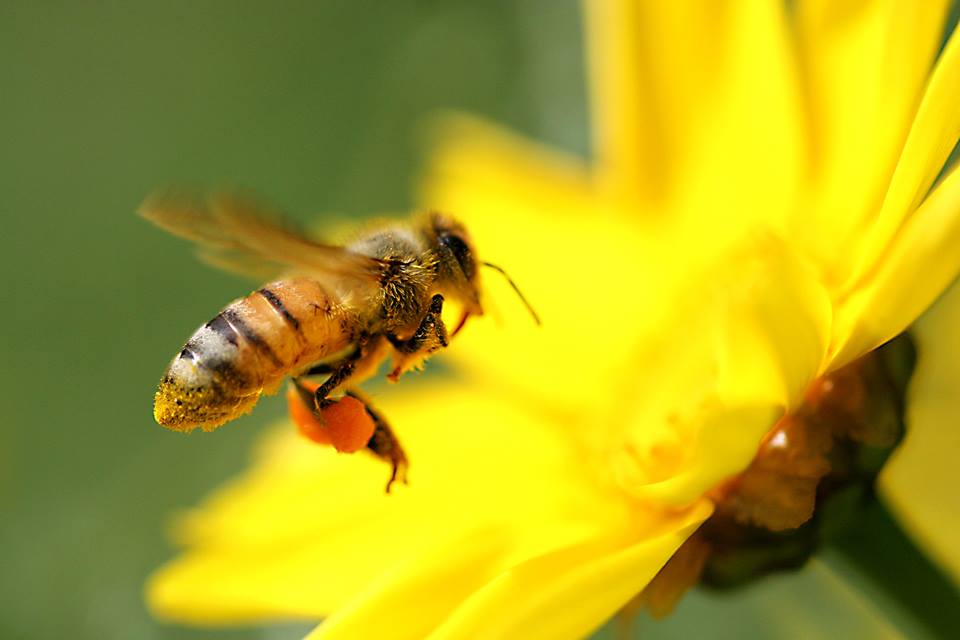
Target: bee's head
[457, 266]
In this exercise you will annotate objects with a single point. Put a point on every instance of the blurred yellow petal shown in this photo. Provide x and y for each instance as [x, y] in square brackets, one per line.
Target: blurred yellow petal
[920, 481]
[464, 148]
[748, 159]
[411, 600]
[501, 597]
[865, 65]
[666, 78]
[646, 61]
[257, 547]
[307, 530]
[919, 264]
[527, 208]
[571, 592]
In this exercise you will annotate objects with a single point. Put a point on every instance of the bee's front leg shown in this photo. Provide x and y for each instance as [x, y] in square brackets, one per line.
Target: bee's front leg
[430, 336]
[431, 333]
[384, 443]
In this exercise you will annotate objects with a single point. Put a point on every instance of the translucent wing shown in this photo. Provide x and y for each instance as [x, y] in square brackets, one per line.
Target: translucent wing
[236, 233]
[241, 263]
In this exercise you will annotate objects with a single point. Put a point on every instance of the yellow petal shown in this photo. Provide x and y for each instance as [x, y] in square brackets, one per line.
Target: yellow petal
[752, 339]
[919, 264]
[724, 441]
[307, 531]
[747, 157]
[565, 520]
[776, 322]
[584, 268]
[414, 597]
[865, 65]
[639, 54]
[920, 481]
[470, 577]
[934, 131]
[571, 592]
[665, 77]
[264, 546]
[933, 135]
[482, 155]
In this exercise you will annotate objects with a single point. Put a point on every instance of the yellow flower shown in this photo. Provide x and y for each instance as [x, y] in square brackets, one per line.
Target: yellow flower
[763, 207]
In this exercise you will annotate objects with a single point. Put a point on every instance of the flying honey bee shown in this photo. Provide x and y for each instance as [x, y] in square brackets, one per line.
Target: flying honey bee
[337, 311]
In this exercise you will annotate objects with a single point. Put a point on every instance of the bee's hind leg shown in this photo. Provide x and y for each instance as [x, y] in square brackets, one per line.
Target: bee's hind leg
[339, 372]
[323, 369]
[326, 368]
[384, 443]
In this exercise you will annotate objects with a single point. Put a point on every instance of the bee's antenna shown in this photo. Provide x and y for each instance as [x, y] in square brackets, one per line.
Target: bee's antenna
[513, 284]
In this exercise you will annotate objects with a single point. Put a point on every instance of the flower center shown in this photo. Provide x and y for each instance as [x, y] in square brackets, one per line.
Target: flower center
[770, 517]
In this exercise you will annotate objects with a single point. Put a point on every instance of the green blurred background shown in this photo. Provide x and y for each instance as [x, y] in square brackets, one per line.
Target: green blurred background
[316, 106]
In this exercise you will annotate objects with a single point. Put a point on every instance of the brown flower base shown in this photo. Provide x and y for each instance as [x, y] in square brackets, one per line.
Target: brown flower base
[812, 467]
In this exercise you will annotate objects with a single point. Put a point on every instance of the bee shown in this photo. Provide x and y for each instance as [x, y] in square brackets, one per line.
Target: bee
[337, 311]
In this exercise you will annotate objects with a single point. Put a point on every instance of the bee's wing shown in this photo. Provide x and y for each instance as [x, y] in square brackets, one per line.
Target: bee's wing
[236, 233]
[241, 263]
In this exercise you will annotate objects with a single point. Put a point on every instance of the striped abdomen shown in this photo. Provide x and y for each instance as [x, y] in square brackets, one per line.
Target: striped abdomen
[247, 350]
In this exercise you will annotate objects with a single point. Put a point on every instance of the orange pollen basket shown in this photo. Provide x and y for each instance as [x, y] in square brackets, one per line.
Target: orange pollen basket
[344, 424]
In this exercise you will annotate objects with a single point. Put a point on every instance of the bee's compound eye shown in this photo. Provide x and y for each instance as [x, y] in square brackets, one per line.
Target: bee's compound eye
[460, 251]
